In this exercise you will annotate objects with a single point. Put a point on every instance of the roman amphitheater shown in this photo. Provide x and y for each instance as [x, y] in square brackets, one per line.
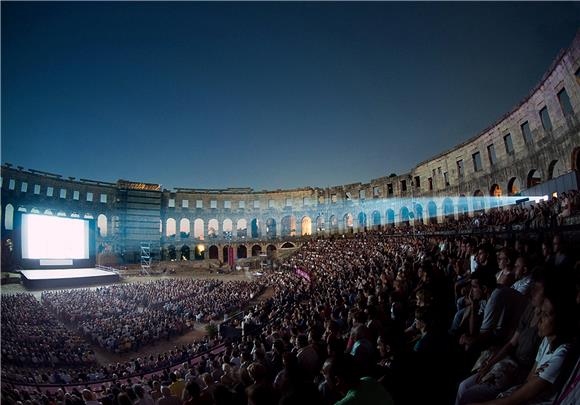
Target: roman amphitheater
[393, 290]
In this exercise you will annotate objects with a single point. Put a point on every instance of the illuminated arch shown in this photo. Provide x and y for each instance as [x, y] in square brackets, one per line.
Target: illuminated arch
[306, 226]
[198, 229]
[288, 226]
[255, 228]
[242, 228]
[256, 250]
[514, 187]
[362, 220]
[184, 228]
[390, 214]
[102, 225]
[9, 217]
[271, 228]
[534, 178]
[212, 228]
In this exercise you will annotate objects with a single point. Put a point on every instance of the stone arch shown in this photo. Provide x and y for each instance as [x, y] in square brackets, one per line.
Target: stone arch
[171, 252]
[376, 220]
[242, 228]
[226, 253]
[418, 213]
[199, 252]
[271, 228]
[362, 220]
[214, 252]
[306, 226]
[288, 226]
[534, 178]
[333, 221]
[198, 229]
[170, 228]
[184, 228]
[102, 225]
[212, 228]
[9, 217]
[514, 187]
[228, 228]
[320, 224]
[556, 169]
[575, 161]
[448, 209]
[432, 211]
[255, 228]
[404, 215]
[390, 217]
[348, 223]
[185, 253]
[287, 245]
[271, 250]
[495, 191]
[242, 252]
[256, 250]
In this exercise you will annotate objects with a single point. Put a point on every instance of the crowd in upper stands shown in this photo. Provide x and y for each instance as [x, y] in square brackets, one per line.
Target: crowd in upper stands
[377, 319]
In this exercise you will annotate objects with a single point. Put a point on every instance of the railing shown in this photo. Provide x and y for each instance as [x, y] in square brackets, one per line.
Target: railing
[107, 268]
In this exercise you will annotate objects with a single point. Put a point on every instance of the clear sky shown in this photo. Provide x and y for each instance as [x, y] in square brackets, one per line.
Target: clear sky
[262, 95]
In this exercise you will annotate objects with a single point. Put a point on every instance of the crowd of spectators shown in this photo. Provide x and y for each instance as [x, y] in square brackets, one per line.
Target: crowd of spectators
[126, 317]
[375, 319]
[32, 337]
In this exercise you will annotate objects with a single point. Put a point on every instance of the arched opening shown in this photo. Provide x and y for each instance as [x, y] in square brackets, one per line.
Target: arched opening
[575, 159]
[185, 253]
[390, 218]
[228, 227]
[226, 251]
[87, 216]
[534, 178]
[171, 252]
[242, 252]
[288, 245]
[376, 220]
[514, 187]
[271, 228]
[61, 214]
[198, 229]
[102, 225]
[115, 223]
[9, 217]
[170, 226]
[556, 169]
[49, 212]
[242, 228]
[212, 228]
[256, 250]
[348, 223]
[306, 226]
[288, 226]
[184, 228]
[362, 221]
[418, 214]
[37, 211]
[333, 224]
[214, 252]
[404, 216]
[494, 191]
[199, 252]
[271, 251]
[320, 224]
[255, 228]
[448, 209]
[432, 210]
[478, 201]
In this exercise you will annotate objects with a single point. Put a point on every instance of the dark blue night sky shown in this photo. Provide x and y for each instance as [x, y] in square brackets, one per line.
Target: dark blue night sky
[262, 95]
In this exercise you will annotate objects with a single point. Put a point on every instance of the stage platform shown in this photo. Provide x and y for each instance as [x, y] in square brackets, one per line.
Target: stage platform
[55, 278]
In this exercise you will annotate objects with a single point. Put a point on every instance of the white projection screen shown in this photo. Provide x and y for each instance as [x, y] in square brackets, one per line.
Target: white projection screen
[54, 238]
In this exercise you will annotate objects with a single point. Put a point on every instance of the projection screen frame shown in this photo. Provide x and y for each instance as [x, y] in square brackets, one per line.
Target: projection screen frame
[36, 263]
